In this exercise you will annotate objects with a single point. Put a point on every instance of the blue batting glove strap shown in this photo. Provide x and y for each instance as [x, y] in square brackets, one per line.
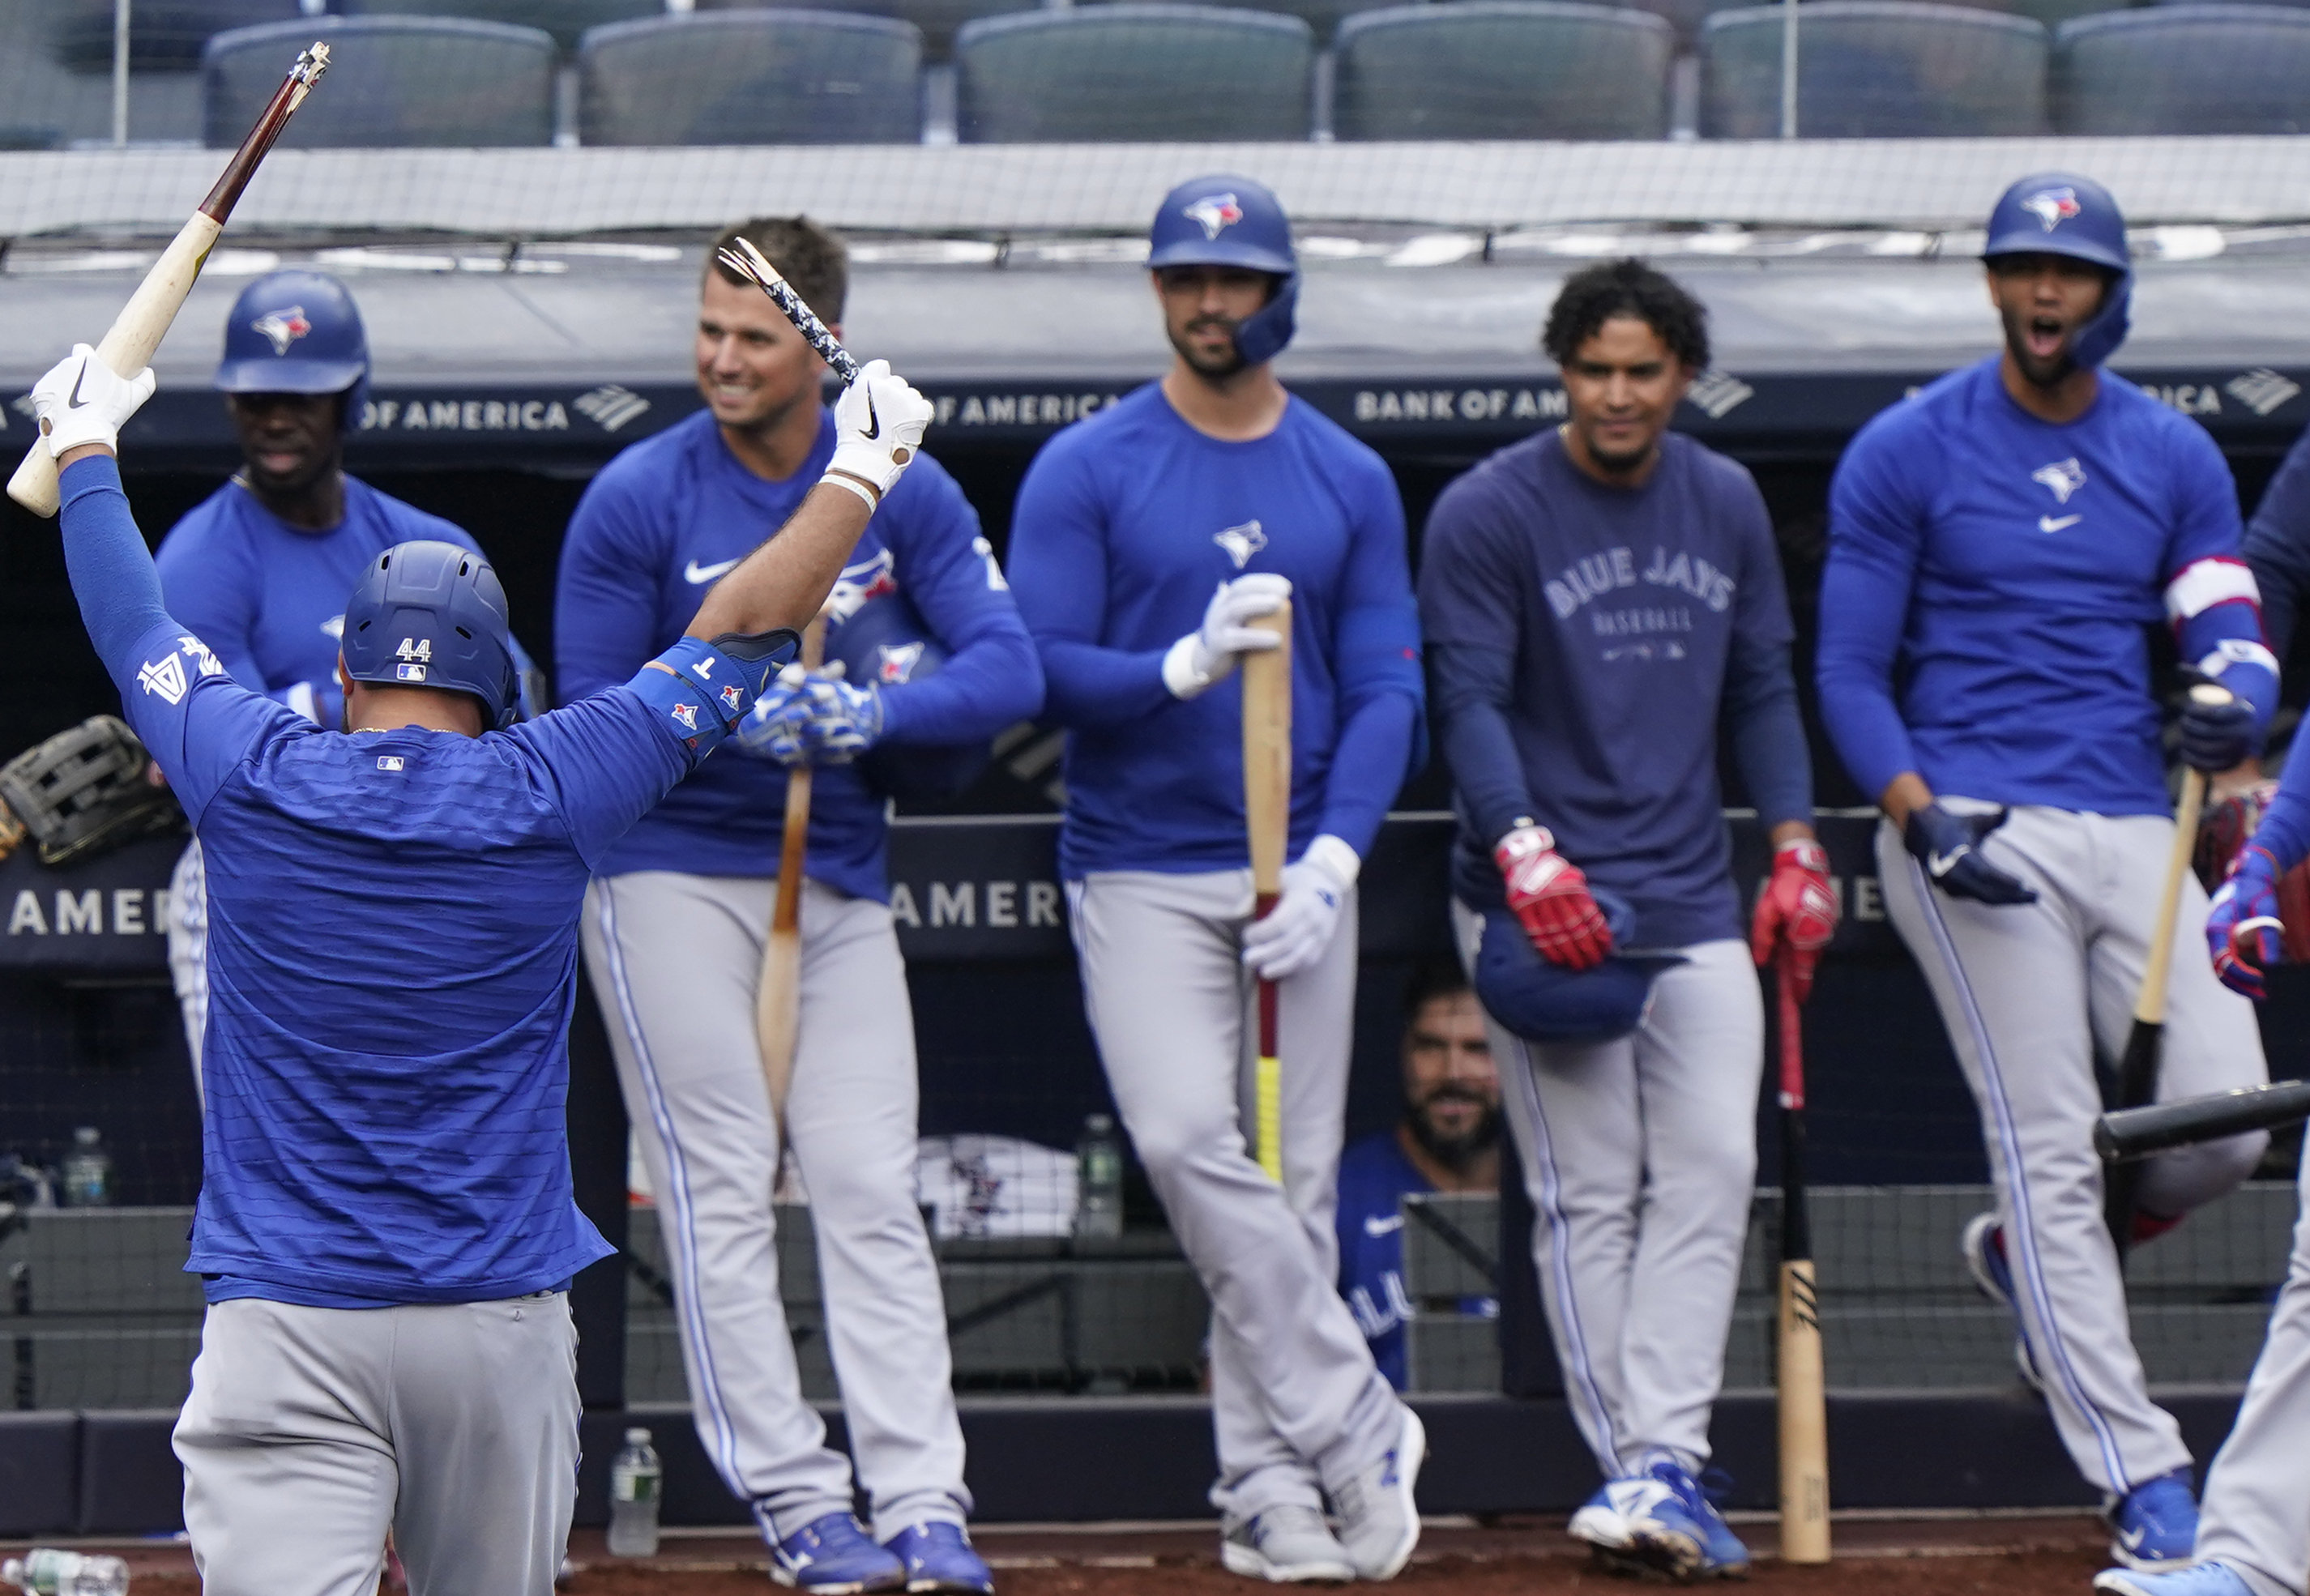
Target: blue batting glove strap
[728, 686]
[2217, 736]
[1949, 845]
[759, 656]
[2243, 902]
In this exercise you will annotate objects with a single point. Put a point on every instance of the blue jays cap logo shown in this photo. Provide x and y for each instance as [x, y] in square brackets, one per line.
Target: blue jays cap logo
[2052, 206]
[1214, 213]
[898, 661]
[282, 328]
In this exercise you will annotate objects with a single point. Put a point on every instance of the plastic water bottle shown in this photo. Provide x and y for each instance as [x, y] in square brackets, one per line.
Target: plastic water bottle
[635, 1477]
[87, 1171]
[44, 1571]
[1099, 1181]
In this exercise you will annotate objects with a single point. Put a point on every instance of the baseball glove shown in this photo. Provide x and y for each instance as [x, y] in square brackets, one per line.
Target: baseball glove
[2222, 835]
[87, 790]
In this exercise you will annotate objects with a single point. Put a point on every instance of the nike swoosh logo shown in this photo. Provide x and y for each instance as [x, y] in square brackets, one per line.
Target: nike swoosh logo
[2135, 1538]
[696, 573]
[79, 378]
[1940, 864]
[1382, 1224]
[2048, 523]
[874, 421]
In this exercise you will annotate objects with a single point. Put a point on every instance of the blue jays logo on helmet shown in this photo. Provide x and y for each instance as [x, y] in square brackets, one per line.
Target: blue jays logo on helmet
[1214, 213]
[2068, 214]
[2052, 206]
[282, 328]
[296, 331]
[1229, 219]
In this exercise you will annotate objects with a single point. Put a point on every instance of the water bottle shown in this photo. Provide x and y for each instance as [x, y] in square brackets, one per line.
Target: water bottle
[87, 1171]
[634, 1480]
[44, 1571]
[1099, 1181]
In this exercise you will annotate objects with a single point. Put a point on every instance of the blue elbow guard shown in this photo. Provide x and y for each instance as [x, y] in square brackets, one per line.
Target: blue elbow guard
[704, 692]
[1380, 652]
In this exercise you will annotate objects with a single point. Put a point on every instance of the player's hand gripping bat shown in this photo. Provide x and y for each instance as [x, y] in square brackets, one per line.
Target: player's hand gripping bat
[1804, 1404]
[2137, 1071]
[138, 331]
[2132, 1133]
[778, 997]
[749, 262]
[1267, 812]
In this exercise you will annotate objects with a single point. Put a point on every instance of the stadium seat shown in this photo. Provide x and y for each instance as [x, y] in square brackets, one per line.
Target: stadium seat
[1133, 73]
[751, 77]
[394, 81]
[1502, 69]
[938, 19]
[2184, 69]
[1875, 69]
[166, 35]
[564, 19]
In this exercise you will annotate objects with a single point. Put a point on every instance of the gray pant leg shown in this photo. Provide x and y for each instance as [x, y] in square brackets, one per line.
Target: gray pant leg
[1165, 988]
[186, 921]
[676, 960]
[852, 1118]
[2012, 987]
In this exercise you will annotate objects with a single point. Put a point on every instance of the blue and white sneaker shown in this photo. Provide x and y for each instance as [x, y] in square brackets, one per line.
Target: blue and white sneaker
[2195, 1579]
[1983, 1246]
[1659, 1523]
[939, 1557]
[2155, 1528]
[1600, 1523]
[834, 1556]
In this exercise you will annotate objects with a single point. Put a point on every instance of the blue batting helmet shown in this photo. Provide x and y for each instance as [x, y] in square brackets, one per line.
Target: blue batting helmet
[1543, 1001]
[885, 643]
[2062, 213]
[1223, 220]
[296, 332]
[432, 614]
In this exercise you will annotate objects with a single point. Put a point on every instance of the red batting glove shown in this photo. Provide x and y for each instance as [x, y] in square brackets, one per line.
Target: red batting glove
[1550, 896]
[1797, 911]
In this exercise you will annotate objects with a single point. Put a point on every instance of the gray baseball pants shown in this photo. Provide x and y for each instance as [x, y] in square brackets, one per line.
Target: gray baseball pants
[310, 1432]
[1640, 1158]
[2031, 994]
[677, 960]
[1296, 1399]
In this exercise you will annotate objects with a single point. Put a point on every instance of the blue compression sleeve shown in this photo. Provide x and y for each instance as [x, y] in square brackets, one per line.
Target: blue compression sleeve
[2277, 545]
[1368, 766]
[2285, 828]
[1473, 686]
[111, 570]
[1767, 731]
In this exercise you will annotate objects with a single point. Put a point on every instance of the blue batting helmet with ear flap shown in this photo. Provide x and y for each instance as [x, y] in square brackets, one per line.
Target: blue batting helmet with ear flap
[1544, 1002]
[297, 332]
[2062, 213]
[885, 643]
[1224, 221]
[432, 614]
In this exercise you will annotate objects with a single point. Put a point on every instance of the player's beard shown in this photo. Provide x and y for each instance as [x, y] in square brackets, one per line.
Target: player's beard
[2039, 372]
[1204, 365]
[1455, 1153]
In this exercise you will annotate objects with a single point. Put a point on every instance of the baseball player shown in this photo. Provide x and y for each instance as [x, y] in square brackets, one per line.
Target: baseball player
[1447, 1140]
[1145, 538]
[385, 1230]
[1999, 545]
[259, 569]
[1598, 599]
[677, 919]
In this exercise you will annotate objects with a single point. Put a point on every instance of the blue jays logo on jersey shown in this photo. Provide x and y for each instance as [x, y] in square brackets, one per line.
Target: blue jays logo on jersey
[1214, 213]
[2063, 477]
[282, 328]
[869, 578]
[2052, 206]
[1241, 542]
[897, 662]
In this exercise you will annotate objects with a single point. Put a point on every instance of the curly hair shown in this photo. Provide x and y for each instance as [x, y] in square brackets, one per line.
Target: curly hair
[1596, 295]
[808, 256]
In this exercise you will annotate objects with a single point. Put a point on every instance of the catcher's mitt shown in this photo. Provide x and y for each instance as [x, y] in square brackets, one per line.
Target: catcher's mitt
[2222, 836]
[86, 790]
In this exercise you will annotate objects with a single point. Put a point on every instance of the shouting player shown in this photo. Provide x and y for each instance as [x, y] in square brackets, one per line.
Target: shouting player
[386, 1231]
[1598, 599]
[1144, 539]
[1999, 545]
[677, 920]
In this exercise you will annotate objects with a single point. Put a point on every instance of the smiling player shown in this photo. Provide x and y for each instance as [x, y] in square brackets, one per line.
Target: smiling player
[1999, 546]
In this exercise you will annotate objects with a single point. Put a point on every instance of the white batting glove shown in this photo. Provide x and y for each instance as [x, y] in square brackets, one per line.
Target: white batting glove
[1295, 932]
[878, 428]
[82, 400]
[1207, 655]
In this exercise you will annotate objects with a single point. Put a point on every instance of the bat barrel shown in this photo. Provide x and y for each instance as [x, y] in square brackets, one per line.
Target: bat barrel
[2126, 1134]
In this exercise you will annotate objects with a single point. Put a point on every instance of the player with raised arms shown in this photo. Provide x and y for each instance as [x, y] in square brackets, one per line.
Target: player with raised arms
[385, 1230]
[1999, 545]
[1598, 601]
[677, 919]
[1146, 538]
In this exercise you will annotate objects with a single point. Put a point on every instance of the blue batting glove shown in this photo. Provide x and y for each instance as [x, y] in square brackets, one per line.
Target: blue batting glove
[845, 720]
[2242, 923]
[2216, 736]
[776, 727]
[1949, 845]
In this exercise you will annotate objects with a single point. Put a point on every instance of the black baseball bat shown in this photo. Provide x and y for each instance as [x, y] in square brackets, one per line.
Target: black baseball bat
[2126, 1134]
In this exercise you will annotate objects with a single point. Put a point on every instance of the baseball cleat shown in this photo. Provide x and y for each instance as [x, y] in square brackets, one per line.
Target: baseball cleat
[1669, 1528]
[939, 1557]
[1983, 1246]
[1289, 1545]
[1599, 1523]
[2155, 1528]
[1379, 1523]
[2195, 1579]
[834, 1556]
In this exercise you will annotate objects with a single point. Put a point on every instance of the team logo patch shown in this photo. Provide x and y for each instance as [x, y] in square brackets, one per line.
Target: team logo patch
[1214, 213]
[165, 677]
[732, 697]
[389, 761]
[869, 578]
[2063, 477]
[282, 328]
[898, 661]
[686, 716]
[2052, 206]
[1241, 542]
[406, 673]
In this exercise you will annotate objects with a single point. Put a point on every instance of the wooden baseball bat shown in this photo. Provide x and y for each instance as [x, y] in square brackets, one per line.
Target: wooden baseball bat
[747, 261]
[778, 997]
[1804, 1401]
[2137, 1132]
[1267, 814]
[136, 332]
[2145, 1044]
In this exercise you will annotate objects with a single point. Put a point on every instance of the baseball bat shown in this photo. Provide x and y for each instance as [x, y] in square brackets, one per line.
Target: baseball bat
[1804, 1394]
[1267, 814]
[2137, 1071]
[136, 332]
[2130, 1133]
[749, 261]
[778, 997]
